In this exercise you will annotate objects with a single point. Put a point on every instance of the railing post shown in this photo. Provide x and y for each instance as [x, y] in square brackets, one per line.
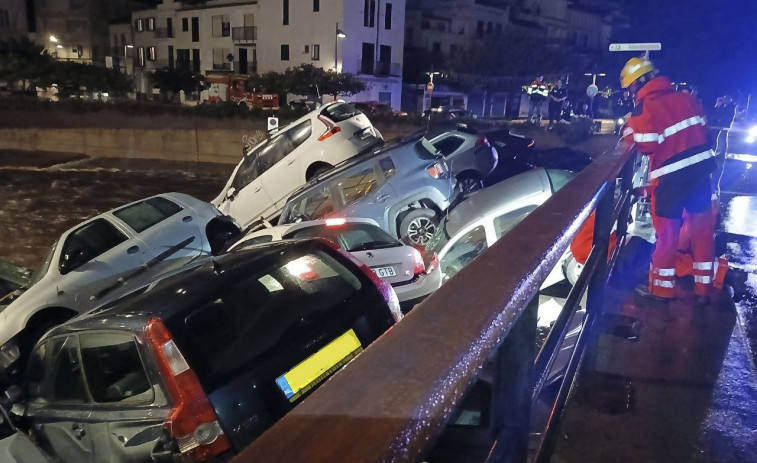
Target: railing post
[626, 184]
[602, 228]
[513, 386]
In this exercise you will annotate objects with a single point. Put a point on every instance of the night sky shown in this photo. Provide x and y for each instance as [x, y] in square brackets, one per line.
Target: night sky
[709, 43]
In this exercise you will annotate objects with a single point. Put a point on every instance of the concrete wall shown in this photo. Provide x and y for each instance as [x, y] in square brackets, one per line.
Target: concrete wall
[220, 146]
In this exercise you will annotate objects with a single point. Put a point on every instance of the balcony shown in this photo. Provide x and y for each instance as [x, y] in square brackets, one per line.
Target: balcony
[246, 34]
[379, 68]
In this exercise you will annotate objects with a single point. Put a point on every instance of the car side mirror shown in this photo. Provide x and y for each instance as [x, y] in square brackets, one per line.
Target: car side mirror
[72, 259]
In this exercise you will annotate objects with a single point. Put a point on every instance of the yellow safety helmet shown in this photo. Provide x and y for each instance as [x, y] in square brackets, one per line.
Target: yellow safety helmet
[635, 68]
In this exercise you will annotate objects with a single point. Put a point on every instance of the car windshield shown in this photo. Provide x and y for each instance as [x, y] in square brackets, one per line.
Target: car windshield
[44, 266]
[340, 112]
[311, 205]
[350, 236]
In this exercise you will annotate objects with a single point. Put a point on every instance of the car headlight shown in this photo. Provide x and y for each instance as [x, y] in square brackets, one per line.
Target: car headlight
[752, 134]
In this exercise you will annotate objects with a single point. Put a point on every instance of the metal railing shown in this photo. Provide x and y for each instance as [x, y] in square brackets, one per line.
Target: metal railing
[244, 34]
[393, 401]
[379, 68]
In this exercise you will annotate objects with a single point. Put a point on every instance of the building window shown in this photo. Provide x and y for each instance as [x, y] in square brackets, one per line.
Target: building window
[139, 25]
[151, 54]
[286, 13]
[316, 6]
[307, 48]
[498, 29]
[425, 25]
[220, 58]
[388, 16]
[169, 27]
[369, 13]
[436, 47]
[479, 29]
[453, 49]
[184, 24]
[315, 52]
[77, 3]
[221, 26]
[4, 18]
[150, 24]
[141, 56]
[285, 53]
[489, 28]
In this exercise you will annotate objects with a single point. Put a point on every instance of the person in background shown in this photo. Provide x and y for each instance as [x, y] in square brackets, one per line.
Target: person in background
[557, 98]
[538, 93]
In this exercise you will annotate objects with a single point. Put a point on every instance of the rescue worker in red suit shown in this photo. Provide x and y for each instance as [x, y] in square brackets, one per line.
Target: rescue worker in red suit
[670, 127]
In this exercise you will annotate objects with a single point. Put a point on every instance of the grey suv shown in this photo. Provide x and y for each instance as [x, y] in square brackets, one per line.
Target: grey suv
[405, 187]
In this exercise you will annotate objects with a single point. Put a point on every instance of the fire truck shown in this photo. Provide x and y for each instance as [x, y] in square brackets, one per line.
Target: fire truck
[232, 88]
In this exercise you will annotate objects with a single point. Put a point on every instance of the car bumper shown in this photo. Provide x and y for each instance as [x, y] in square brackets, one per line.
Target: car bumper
[418, 289]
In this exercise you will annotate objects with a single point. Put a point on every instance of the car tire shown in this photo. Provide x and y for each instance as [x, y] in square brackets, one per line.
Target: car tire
[572, 269]
[417, 227]
[468, 182]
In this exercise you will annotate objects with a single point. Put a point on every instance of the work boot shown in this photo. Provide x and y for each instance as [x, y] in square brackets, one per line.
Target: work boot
[736, 279]
[642, 290]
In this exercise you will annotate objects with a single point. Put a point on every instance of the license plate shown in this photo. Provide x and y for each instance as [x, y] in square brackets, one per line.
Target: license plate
[319, 366]
[384, 272]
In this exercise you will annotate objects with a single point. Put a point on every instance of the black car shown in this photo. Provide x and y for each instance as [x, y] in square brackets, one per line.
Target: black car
[518, 153]
[197, 365]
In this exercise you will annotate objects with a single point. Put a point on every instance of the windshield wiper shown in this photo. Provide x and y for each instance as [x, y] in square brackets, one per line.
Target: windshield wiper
[374, 245]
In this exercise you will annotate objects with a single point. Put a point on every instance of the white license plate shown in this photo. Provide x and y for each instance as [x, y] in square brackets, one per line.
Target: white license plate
[384, 272]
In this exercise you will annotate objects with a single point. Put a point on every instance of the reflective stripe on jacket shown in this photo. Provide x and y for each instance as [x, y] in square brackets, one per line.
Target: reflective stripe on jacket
[669, 126]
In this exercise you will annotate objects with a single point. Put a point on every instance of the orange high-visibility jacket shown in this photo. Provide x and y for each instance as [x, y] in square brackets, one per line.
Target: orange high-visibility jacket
[670, 126]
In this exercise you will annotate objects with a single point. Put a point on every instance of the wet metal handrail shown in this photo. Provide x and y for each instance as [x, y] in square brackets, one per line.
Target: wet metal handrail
[390, 403]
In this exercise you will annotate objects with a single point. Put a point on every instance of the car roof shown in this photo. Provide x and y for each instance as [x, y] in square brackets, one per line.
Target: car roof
[280, 230]
[170, 295]
[487, 201]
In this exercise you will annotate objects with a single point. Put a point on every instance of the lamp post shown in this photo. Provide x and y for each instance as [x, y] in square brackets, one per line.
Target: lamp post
[591, 90]
[338, 34]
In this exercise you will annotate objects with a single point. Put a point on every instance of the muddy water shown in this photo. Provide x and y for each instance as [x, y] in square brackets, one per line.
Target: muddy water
[38, 203]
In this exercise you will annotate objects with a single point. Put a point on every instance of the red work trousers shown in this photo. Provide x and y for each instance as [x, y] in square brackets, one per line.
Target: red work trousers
[701, 234]
[685, 261]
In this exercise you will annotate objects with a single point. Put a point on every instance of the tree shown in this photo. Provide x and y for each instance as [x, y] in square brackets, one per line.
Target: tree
[306, 80]
[172, 81]
[335, 84]
[23, 60]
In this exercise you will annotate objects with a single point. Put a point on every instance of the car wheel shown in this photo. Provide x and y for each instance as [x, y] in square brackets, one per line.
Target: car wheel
[572, 269]
[469, 182]
[418, 226]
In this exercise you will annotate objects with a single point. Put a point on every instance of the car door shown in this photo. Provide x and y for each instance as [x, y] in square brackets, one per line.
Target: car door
[246, 199]
[92, 259]
[169, 231]
[58, 403]
[285, 174]
[128, 409]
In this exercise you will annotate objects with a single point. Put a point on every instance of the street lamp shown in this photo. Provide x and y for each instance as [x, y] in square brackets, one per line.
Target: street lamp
[338, 34]
[53, 39]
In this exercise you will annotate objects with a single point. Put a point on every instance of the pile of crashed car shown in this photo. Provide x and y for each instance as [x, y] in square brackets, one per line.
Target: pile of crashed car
[171, 329]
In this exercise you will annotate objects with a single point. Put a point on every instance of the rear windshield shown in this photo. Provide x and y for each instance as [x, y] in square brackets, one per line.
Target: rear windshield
[145, 214]
[312, 205]
[248, 321]
[424, 149]
[340, 112]
[350, 236]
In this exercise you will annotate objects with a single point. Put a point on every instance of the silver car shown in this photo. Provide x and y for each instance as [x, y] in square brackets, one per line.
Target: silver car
[469, 155]
[400, 265]
[405, 187]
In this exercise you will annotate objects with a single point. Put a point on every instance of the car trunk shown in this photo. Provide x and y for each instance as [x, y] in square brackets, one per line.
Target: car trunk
[354, 125]
[395, 265]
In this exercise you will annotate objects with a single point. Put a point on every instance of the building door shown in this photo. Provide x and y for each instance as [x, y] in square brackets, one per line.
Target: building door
[243, 61]
[196, 60]
[195, 29]
[254, 59]
[385, 59]
[182, 59]
[366, 62]
[170, 57]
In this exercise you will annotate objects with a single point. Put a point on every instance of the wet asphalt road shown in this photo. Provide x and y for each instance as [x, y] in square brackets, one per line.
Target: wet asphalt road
[37, 204]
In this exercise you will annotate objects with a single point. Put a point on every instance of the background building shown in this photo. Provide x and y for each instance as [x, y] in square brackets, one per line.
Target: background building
[363, 37]
[13, 19]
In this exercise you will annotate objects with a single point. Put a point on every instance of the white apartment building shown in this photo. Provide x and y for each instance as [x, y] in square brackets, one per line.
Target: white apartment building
[363, 37]
[13, 22]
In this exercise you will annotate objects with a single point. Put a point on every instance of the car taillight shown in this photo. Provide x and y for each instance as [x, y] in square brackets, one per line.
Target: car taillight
[331, 129]
[482, 141]
[436, 170]
[192, 422]
[419, 267]
[386, 290]
[336, 222]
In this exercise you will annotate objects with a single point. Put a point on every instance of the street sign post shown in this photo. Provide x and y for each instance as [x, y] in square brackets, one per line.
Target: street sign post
[636, 46]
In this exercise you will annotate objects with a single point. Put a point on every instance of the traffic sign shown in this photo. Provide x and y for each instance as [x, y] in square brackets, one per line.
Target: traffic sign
[273, 123]
[635, 46]
[592, 90]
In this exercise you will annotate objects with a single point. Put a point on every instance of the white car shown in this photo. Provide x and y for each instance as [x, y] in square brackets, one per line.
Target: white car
[400, 265]
[271, 171]
[107, 254]
[481, 219]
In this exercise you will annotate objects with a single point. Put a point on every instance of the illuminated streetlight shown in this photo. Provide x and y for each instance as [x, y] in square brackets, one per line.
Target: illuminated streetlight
[53, 39]
[59, 46]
